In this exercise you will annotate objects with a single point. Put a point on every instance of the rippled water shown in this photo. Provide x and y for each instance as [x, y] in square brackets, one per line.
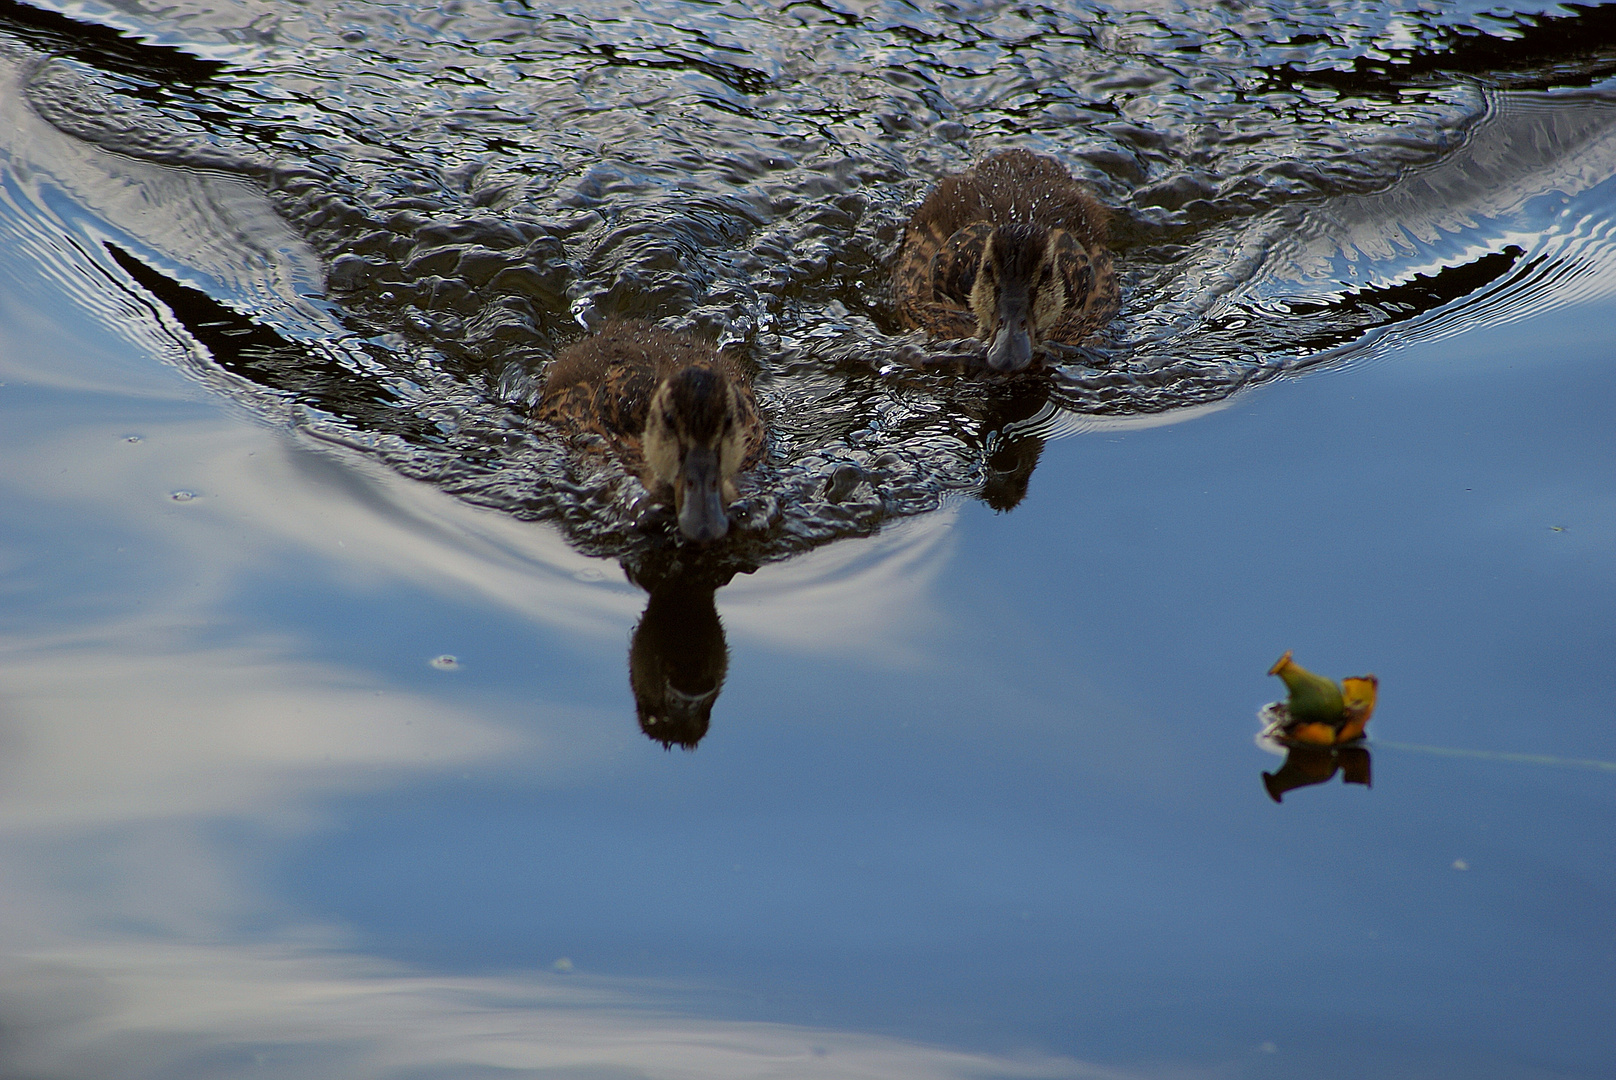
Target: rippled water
[301, 267]
[483, 179]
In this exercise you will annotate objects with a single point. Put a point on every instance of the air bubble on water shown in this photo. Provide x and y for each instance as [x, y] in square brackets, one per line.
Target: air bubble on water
[182, 495]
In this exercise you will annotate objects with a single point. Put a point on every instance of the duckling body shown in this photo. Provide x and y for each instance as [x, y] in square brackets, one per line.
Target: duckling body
[674, 410]
[1012, 252]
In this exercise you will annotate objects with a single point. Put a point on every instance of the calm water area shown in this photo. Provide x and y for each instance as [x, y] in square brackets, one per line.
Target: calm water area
[319, 753]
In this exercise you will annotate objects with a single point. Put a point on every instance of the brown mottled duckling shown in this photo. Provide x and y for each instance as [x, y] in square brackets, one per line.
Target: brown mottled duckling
[1012, 252]
[674, 409]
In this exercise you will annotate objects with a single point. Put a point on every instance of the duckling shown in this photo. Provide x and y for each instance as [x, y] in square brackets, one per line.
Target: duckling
[1013, 253]
[674, 410]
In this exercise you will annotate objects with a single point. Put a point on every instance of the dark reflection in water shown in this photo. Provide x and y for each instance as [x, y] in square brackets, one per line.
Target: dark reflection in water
[263, 356]
[149, 66]
[1011, 441]
[677, 658]
[1308, 765]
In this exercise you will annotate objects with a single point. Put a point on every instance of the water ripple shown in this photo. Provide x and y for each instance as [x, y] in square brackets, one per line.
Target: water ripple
[1294, 184]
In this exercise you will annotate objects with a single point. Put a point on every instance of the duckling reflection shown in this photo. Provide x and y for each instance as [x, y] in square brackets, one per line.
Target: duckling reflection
[1011, 442]
[1308, 765]
[678, 657]
[673, 409]
[1012, 252]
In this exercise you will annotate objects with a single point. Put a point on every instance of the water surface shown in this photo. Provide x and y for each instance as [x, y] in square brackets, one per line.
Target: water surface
[321, 753]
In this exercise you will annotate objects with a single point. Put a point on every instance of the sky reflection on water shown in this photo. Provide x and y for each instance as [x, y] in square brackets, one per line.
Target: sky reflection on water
[1022, 808]
[980, 796]
[173, 726]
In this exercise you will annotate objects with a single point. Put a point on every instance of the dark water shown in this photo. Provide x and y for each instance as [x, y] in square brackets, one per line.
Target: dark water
[320, 752]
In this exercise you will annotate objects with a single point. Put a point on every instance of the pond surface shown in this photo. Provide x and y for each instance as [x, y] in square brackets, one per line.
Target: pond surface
[321, 756]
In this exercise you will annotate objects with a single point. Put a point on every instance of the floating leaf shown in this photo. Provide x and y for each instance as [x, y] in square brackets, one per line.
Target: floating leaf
[1321, 711]
[1358, 701]
[1313, 697]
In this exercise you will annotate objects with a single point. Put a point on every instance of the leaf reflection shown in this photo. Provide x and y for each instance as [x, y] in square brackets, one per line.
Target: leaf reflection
[1308, 765]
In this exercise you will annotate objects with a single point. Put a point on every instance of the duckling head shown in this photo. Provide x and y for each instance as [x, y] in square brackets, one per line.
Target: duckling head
[1017, 292]
[695, 443]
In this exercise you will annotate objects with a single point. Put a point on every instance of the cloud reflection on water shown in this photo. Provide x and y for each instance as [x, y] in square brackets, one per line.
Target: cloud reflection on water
[264, 497]
[148, 731]
[136, 739]
[292, 1011]
[108, 735]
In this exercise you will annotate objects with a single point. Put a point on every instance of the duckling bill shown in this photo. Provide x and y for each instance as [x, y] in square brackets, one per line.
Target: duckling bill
[673, 409]
[1012, 252]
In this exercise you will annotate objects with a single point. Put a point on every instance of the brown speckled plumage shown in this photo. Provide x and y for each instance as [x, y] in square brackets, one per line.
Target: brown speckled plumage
[606, 384]
[938, 267]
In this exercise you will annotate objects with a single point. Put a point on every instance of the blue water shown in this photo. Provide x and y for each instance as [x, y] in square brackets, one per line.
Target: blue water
[1048, 828]
[981, 795]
